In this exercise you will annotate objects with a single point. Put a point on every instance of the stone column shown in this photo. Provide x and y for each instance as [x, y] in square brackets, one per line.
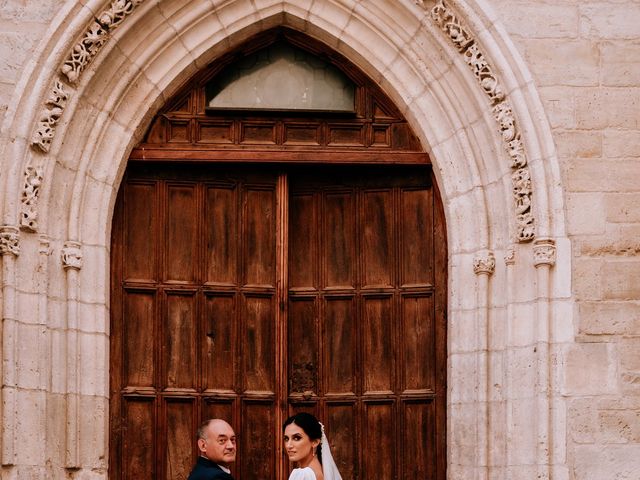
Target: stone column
[72, 263]
[9, 250]
[544, 254]
[483, 266]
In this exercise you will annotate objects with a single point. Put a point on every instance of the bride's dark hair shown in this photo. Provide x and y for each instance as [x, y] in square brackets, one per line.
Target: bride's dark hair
[311, 427]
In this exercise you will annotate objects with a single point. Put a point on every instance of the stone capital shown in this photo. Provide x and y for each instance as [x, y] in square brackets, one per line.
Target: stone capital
[544, 252]
[9, 240]
[510, 256]
[72, 255]
[484, 263]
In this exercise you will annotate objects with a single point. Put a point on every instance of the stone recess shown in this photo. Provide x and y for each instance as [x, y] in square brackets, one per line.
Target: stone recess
[526, 108]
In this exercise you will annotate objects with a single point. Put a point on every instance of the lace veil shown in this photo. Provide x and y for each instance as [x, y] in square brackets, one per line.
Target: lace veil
[329, 467]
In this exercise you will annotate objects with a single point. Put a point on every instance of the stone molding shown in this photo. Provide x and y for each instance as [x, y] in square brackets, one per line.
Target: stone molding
[50, 115]
[72, 255]
[468, 46]
[544, 252]
[9, 240]
[484, 264]
[80, 56]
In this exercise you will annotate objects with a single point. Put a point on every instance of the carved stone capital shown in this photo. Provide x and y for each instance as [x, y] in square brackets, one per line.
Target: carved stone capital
[484, 264]
[9, 240]
[45, 245]
[510, 256]
[72, 255]
[544, 252]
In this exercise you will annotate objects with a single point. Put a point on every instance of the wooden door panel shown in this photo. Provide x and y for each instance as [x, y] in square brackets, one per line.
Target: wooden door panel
[139, 447]
[140, 231]
[342, 424]
[339, 234]
[179, 345]
[378, 345]
[221, 234]
[138, 335]
[416, 237]
[418, 439]
[260, 235]
[379, 440]
[180, 415]
[303, 355]
[303, 242]
[258, 440]
[219, 340]
[378, 246]
[340, 337]
[258, 344]
[181, 253]
[417, 343]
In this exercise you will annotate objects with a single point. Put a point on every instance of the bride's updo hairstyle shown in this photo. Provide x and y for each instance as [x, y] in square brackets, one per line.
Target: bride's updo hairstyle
[311, 427]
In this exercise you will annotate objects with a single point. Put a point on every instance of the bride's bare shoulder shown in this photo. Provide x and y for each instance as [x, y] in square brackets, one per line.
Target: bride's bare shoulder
[318, 473]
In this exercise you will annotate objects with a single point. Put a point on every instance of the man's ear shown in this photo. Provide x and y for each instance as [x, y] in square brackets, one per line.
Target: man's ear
[202, 445]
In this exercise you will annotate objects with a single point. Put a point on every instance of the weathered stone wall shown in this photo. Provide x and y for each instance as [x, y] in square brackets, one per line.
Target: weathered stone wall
[584, 61]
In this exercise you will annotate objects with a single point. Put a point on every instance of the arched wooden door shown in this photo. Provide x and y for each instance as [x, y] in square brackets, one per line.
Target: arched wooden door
[252, 278]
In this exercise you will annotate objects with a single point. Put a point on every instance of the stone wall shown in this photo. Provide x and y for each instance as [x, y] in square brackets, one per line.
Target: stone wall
[525, 401]
[585, 58]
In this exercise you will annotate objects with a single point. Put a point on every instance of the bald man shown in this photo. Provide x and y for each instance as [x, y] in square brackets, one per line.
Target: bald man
[217, 448]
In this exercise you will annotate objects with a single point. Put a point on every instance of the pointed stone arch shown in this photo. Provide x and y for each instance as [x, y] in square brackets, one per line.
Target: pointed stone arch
[140, 52]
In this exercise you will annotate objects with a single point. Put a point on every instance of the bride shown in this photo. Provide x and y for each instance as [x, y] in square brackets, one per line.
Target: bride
[303, 434]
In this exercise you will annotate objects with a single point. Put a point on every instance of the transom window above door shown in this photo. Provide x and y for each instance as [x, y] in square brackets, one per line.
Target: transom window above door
[281, 77]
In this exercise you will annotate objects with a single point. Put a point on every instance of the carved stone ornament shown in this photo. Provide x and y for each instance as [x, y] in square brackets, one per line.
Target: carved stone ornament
[30, 194]
[544, 252]
[484, 264]
[44, 245]
[9, 240]
[51, 113]
[95, 36]
[464, 41]
[72, 255]
[510, 256]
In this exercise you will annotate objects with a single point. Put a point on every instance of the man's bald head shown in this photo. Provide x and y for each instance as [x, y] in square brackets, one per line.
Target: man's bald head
[217, 441]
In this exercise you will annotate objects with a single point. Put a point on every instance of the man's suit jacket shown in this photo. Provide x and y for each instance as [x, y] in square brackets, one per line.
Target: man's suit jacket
[205, 469]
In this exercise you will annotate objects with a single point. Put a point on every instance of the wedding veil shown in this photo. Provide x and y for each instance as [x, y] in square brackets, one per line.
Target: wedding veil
[329, 467]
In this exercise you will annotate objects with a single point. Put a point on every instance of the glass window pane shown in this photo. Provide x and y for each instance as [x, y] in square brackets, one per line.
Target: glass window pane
[281, 77]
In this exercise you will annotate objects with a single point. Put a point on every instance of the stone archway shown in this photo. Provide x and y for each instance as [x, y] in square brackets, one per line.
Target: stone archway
[131, 55]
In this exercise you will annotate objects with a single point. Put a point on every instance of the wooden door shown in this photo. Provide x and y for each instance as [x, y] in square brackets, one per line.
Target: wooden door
[249, 293]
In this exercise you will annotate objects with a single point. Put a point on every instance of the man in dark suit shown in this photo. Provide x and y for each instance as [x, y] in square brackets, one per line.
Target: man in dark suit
[217, 447]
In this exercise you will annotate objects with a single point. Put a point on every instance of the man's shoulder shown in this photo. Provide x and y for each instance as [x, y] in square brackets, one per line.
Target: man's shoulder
[207, 470]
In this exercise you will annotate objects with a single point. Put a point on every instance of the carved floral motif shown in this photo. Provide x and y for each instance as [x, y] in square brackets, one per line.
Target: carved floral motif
[51, 113]
[9, 240]
[95, 37]
[72, 255]
[30, 194]
[484, 264]
[463, 40]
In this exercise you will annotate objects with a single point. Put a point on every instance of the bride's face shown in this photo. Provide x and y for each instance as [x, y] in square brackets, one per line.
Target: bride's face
[298, 445]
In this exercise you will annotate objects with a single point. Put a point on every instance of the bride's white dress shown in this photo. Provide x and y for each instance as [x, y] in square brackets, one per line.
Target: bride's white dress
[305, 473]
